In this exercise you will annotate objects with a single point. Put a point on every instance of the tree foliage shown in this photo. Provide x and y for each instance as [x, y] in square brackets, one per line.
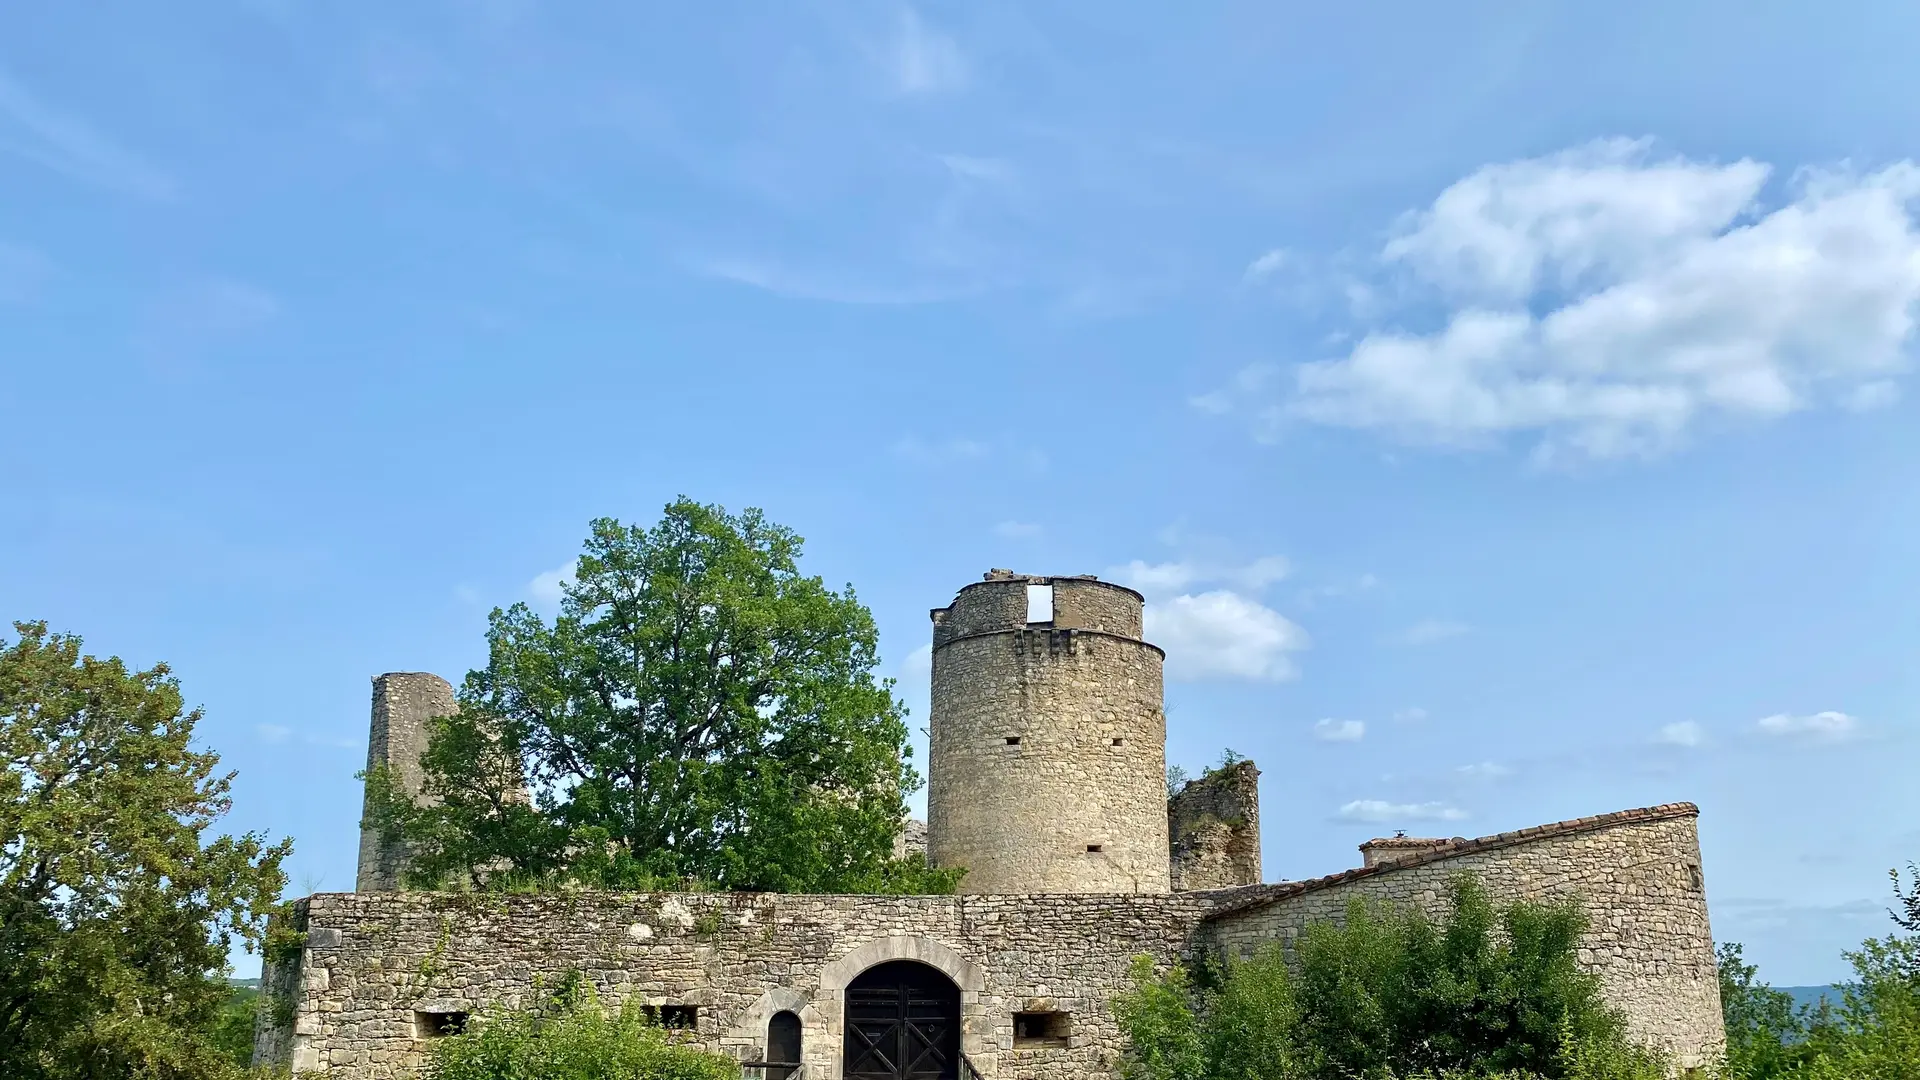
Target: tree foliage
[1766, 1031]
[117, 910]
[699, 712]
[1389, 992]
[572, 1037]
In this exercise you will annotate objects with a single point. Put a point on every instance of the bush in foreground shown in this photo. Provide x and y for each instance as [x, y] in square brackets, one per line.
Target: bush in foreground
[573, 1037]
[1390, 993]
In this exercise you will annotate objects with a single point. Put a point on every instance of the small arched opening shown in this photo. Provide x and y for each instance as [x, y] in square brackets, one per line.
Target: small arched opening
[903, 1023]
[783, 1045]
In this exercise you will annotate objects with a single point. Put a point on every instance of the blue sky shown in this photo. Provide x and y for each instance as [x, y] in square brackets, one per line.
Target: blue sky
[1507, 408]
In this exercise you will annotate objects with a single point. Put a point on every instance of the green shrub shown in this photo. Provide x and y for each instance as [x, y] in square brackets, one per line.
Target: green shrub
[1390, 993]
[572, 1037]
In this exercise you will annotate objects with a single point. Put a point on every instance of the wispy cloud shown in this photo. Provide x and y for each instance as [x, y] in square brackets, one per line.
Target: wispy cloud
[273, 733]
[1686, 733]
[914, 448]
[1380, 811]
[922, 60]
[1410, 714]
[1266, 264]
[1165, 577]
[1428, 631]
[1016, 530]
[67, 144]
[826, 284]
[1485, 770]
[549, 587]
[1331, 730]
[1829, 726]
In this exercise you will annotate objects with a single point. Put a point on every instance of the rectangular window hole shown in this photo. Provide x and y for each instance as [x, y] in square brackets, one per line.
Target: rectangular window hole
[1040, 1029]
[674, 1017]
[1013, 740]
[1095, 847]
[1119, 742]
[438, 1025]
[1039, 603]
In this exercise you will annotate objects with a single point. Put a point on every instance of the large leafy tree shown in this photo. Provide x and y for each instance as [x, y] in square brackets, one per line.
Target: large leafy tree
[698, 712]
[117, 908]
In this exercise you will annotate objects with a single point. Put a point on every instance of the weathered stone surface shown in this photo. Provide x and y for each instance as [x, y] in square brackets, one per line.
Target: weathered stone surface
[403, 705]
[372, 960]
[1637, 874]
[1048, 745]
[1213, 826]
[1071, 846]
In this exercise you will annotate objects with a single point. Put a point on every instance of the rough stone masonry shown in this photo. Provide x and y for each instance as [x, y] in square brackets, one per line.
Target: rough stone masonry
[1047, 784]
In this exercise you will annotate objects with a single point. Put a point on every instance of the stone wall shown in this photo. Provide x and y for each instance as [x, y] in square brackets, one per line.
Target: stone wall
[1637, 873]
[372, 960]
[1213, 829]
[1046, 769]
[403, 704]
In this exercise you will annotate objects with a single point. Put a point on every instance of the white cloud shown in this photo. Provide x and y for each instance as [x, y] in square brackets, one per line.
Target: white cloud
[920, 450]
[1411, 713]
[1379, 811]
[917, 668]
[273, 733]
[36, 131]
[923, 60]
[1600, 303]
[1218, 402]
[1331, 730]
[1829, 725]
[1158, 578]
[1016, 530]
[1223, 634]
[548, 588]
[1428, 631]
[1683, 733]
[1267, 263]
[1485, 770]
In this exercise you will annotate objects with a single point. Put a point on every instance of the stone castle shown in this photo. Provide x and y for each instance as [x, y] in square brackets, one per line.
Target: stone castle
[1047, 784]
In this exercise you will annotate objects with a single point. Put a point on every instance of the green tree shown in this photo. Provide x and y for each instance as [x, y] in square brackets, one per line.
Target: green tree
[1767, 1035]
[699, 712]
[117, 910]
[1875, 1033]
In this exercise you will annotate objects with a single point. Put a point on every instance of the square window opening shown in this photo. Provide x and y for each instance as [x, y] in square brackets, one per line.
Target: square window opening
[438, 1025]
[1093, 848]
[673, 1017]
[1040, 1029]
[1119, 742]
[1013, 740]
[1039, 603]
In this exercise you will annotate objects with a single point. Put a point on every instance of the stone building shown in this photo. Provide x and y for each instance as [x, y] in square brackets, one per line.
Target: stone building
[1046, 782]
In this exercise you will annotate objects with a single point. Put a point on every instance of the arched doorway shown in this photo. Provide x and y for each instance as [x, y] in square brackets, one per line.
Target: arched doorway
[903, 1023]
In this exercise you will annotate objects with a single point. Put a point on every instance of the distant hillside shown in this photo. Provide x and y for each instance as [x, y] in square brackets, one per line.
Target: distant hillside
[1810, 996]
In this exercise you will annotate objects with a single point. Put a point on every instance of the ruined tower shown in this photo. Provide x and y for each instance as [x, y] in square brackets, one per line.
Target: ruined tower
[1047, 770]
[403, 703]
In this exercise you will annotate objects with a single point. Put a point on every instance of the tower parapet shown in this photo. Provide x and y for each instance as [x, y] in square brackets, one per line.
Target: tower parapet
[403, 705]
[1047, 764]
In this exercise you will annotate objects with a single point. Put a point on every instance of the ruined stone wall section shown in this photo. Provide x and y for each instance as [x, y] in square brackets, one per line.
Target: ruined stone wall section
[403, 704]
[1046, 770]
[373, 959]
[1213, 829]
[1637, 874]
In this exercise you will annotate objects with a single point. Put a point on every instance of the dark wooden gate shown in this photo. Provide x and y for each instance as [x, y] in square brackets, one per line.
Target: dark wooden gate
[903, 1023]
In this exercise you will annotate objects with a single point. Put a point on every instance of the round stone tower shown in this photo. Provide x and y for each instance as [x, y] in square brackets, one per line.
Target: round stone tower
[1047, 769]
